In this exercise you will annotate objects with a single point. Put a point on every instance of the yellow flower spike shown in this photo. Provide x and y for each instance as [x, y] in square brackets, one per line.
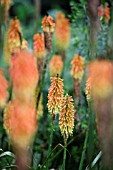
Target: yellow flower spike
[56, 65]
[66, 118]
[39, 46]
[62, 32]
[55, 95]
[77, 67]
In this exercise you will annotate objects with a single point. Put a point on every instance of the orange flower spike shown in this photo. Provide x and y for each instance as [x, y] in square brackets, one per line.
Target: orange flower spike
[100, 73]
[66, 118]
[77, 67]
[56, 65]
[24, 75]
[62, 31]
[20, 123]
[55, 95]
[48, 24]
[39, 46]
[107, 13]
[3, 89]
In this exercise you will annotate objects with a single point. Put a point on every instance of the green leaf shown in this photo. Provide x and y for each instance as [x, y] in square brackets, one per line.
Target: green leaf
[7, 153]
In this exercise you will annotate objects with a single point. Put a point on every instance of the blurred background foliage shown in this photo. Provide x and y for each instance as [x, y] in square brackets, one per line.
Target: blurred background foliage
[31, 24]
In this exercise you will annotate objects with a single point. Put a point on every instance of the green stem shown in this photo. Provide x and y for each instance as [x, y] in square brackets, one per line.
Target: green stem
[50, 143]
[64, 157]
[83, 152]
[54, 156]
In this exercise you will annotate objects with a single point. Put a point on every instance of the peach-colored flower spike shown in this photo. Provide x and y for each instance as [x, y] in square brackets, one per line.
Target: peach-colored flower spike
[56, 65]
[66, 119]
[62, 32]
[3, 89]
[20, 123]
[39, 46]
[24, 75]
[77, 67]
[100, 73]
[12, 40]
[55, 95]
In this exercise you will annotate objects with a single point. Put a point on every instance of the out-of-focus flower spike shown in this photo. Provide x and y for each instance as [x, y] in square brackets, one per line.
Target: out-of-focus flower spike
[39, 46]
[6, 4]
[100, 73]
[48, 26]
[24, 75]
[21, 124]
[101, 81]
[56, 65]
[77, 72]
[104, 12]
[55, 95]
[3, 89]
[13, 41]
[107, 13]
[77, 64]
[88, 89]
[40, 108]
[62, 32]
[66, 118]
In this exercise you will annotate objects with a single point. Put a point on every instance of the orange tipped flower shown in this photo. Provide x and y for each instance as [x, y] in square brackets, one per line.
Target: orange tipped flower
[3, 89]
[13, 42]
[62, 32]
[104, 12]
[55, 95]
[66, 119]
[100, 11]
[77, 67]
[88, 89]
[100, 73]
[24, 75]
[20, 123]
[39, 45]
[56, 65]
[107, 13]
[48, 24]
